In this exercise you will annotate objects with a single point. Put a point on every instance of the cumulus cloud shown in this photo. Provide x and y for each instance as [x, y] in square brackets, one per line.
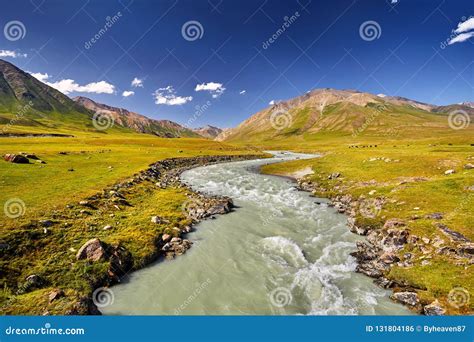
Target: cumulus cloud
[167, 96]
[465, 26]
[137, 82]
[68, 86]
[128, 93]
[242, 92]
[39, 76]
[272, 102]
[464, 31]
[216, 89]
[13, 54]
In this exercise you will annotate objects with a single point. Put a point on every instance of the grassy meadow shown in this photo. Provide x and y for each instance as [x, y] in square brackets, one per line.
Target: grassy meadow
[410, 175]
[76, 168]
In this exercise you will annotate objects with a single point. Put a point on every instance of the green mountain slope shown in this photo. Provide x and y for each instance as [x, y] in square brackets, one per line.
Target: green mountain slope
[135, 121]
[324, 113]
[28, 106]
[25, 101]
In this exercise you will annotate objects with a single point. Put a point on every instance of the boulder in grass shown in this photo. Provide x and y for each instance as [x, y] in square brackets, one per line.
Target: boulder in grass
[29, 155]
[56, 294]
[16, 158]
[92, 250]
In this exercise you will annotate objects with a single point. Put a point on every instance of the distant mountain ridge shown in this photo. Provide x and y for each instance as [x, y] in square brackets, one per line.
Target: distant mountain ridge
[208, 131]
[135, 121]
[342, 112]
[32, 103]
[26, 102]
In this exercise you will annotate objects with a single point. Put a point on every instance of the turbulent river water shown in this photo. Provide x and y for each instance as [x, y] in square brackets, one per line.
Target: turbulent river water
[280, 252]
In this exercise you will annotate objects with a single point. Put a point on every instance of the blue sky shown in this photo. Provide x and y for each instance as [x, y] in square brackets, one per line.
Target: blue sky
[232, 60]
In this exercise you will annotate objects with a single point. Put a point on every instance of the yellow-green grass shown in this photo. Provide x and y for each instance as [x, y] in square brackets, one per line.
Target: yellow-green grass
[414, 184]
[98, 160]
[52, 255]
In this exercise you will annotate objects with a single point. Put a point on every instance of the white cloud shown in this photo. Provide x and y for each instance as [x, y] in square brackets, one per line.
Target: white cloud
[461, 38]
[13, 54]
[39, 76]
[68, 86]
[242, 92]
[465, 26]
[128, 93]
[137, 82]
[216, 89]
[167, 96]
[464, 31]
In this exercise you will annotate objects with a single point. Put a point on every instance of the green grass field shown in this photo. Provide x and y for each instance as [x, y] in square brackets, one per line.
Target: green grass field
[410, 174]
[52, 191]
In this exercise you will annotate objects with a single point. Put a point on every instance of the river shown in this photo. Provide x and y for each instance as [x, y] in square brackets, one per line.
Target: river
[281, 251]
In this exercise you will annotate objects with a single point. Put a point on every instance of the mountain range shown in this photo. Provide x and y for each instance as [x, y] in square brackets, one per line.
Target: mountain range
[27, 102]
[208, 131]
[137, 122]
[329, 112]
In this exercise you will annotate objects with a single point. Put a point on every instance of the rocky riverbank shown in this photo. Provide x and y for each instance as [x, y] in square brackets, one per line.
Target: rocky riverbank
[162, 174]
[99, 240]
[390, 244]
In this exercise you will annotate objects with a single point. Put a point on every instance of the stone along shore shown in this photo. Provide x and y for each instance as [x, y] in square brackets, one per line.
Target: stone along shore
[384, 246]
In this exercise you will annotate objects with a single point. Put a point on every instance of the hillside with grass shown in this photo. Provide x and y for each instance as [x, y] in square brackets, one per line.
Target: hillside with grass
[350, 115]
[31, 107]
[136, 122]
[384, 160]
[27, 103]
[59, 197]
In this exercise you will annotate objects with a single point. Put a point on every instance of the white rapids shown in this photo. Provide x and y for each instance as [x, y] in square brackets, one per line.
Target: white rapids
[279, 252]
